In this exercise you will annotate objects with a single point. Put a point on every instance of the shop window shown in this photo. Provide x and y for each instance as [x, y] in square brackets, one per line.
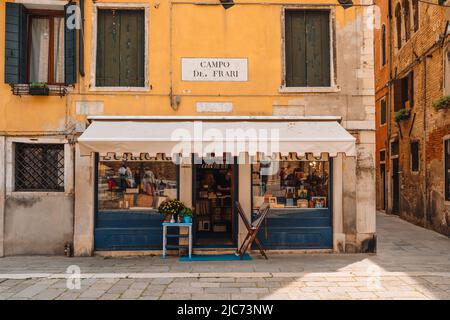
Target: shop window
[307, 48]
[39, 47]
[135, 185]
[291, 184]
[39, 167]
[383, 111]
[404, 92]
[120, 48]
[447, 169]
[415, 160]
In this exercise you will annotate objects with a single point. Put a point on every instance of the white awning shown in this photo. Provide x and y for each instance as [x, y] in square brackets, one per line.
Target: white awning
[205, 137]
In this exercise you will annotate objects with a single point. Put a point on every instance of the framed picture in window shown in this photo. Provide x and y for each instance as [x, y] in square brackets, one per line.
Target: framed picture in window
[319, 202]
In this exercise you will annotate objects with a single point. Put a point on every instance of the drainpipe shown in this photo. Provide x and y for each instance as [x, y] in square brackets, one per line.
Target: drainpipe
[425, 100]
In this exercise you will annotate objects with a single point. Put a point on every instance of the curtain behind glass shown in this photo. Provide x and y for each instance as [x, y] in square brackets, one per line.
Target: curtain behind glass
[40, 34]
[58, 50]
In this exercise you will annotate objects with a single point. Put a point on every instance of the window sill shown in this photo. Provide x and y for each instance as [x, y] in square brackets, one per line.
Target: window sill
[37, 193]
[333, 89]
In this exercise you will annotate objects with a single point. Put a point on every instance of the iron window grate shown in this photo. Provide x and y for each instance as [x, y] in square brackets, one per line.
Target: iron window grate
[39, 167]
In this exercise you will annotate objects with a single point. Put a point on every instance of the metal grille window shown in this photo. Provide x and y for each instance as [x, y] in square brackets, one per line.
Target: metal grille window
[39, 167]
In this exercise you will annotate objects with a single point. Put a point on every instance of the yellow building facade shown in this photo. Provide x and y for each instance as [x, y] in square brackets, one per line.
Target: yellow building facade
[179, 39]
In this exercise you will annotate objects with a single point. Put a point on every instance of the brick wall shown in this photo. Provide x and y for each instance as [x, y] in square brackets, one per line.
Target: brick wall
[422, 193]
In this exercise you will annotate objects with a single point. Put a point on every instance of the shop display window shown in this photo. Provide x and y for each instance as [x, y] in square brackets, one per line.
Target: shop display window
[291, 184]
[135, 185]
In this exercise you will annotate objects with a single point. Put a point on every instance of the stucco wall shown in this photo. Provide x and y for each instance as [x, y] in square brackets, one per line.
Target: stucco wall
[190, 30]
[38, 224]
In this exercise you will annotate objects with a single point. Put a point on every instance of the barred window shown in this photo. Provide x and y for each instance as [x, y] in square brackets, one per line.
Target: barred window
[39, 167]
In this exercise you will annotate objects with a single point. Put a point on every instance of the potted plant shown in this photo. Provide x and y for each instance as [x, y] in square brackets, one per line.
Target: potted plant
[39, 89]
[442, 103]
[170, 209]
[186, 214]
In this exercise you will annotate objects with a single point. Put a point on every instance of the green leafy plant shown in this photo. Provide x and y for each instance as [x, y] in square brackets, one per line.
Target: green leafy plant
[402, 114]
[186, 212]
[442, 103]
[171, 207]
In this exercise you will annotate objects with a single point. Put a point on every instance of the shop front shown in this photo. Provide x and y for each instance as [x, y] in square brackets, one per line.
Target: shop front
[287, 164]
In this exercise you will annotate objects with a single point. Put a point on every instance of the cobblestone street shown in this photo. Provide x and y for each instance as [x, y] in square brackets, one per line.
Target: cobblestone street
[411, 263]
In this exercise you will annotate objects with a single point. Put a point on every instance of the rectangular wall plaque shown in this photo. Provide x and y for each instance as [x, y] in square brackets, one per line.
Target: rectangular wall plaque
[214, 69]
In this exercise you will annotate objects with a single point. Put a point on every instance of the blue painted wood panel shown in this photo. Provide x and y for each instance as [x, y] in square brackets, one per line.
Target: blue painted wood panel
[297, 229]
[116, 230]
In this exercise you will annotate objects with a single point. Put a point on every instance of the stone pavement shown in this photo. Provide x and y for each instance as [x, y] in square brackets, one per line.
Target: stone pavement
[411, 263]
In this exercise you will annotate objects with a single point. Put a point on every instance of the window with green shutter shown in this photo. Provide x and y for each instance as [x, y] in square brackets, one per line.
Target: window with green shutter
[39, 46]
[383, 111]
[307, 48]
[120, 48]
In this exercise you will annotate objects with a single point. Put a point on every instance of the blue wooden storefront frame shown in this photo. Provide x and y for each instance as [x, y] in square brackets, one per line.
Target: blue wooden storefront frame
[299, 228]
[131, 230]
[283, 229]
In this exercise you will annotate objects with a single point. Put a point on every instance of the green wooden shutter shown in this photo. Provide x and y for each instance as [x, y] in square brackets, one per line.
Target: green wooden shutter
[15, 43]
[132, 48]
[295, 49]
[70, 47]
[120, 48]
[318, 49]
[307, 41]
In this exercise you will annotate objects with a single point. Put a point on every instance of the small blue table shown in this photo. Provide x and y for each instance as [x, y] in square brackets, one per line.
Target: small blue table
[165, 236]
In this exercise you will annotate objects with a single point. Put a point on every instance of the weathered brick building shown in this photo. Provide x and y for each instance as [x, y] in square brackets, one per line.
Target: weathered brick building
[419, 127]
[382, 94]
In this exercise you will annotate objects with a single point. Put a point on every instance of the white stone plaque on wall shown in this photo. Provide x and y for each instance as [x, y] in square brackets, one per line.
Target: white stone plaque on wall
[214, 69]
[214, 106]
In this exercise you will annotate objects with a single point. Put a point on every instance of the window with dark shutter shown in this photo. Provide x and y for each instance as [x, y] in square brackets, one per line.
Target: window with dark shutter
[307, 48]
[415, 156]
[120, 48]
[447, 169]
[39, 47]
[383, 111]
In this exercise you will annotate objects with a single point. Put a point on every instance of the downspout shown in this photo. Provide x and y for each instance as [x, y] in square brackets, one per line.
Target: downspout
[389, 106]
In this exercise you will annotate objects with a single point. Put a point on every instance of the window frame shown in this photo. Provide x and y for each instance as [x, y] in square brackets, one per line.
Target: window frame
[382, 124]
[93, 67]
[332, 21]
[50, 15]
